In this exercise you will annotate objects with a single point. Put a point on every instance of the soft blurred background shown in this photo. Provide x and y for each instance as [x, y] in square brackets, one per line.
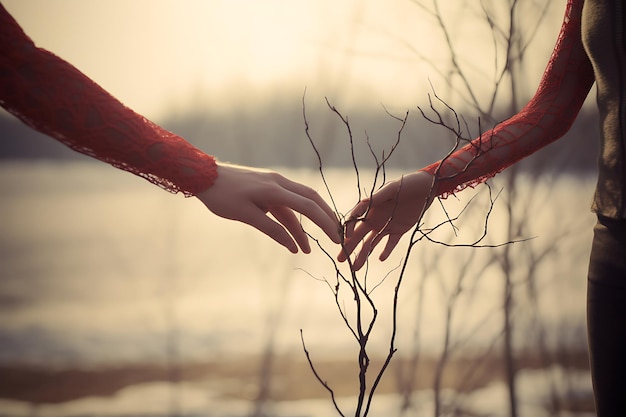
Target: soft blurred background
[117, 298]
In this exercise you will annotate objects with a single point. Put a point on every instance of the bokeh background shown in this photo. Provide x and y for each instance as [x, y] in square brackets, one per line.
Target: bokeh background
[120, 299]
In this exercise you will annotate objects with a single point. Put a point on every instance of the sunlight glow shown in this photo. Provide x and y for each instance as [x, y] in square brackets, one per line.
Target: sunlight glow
[155, 55]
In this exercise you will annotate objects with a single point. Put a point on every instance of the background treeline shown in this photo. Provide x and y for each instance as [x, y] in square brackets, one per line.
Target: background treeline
[273, 134]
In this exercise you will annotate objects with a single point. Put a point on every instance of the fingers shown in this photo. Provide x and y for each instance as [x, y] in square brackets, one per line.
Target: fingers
[355, 230]
[289, 220]
[366, 248]
[358, 211]
[392, 242]
[350, 243]
[282, 203]
[369, 244]
[367, 237]
[247, 195]
[309, 203]
[384, 216]
[309, 193]
[259, 220]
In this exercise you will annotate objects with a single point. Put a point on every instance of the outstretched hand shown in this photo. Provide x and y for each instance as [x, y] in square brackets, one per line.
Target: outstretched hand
[391, 211]
[248, 194]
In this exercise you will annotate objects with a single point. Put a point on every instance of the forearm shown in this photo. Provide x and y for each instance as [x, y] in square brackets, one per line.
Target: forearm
[55, 98]
[496, 149]
[548, 116]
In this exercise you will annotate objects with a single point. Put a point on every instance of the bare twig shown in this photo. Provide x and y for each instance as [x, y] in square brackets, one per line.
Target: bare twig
[366, 311]
[319, 378]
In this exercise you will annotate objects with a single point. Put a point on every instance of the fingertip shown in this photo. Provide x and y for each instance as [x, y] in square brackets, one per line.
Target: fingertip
[306, 248]
[384, 255]
[345, 252]
[359, 261]
[288, 243]
[333, 234]
[357, 264]
[303, 242]
[392, 242]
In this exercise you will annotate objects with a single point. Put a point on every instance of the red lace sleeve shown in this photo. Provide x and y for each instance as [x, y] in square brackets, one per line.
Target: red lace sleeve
[548, 116]
[55, 98]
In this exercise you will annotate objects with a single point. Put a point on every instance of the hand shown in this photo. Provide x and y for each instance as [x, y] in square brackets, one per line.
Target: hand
[248, 194]
[391, 211]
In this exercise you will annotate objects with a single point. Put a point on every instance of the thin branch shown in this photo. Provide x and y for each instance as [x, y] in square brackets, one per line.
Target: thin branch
[319, 378]
[319, 157]
[366, 311]
[347, 125]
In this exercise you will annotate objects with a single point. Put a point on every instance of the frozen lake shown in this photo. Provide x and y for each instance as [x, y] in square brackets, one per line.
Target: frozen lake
[100, 267]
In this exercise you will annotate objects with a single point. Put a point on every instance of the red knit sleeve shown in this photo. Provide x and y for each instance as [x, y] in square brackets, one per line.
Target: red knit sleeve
[548, 116]
[55, 98]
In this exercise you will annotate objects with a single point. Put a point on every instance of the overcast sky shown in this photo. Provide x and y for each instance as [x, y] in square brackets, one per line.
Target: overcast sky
[159, 55]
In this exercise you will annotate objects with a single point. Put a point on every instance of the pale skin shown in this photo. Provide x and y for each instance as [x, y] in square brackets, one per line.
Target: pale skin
[251, 195]
[390, 212]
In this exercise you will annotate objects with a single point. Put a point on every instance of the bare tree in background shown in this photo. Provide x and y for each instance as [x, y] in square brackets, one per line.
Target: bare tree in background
[361, 317]
[513, 26]
[518, 265]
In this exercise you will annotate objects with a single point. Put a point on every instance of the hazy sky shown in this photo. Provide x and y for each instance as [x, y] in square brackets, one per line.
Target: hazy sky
[159, 55]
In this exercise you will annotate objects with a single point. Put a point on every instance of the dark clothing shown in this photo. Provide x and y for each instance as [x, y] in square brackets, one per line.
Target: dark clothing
[606, 316]
[605, 43]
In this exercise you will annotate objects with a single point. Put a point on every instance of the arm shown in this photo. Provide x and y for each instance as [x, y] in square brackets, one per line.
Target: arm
[545, 118]
[399, 205]
[53, 97]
